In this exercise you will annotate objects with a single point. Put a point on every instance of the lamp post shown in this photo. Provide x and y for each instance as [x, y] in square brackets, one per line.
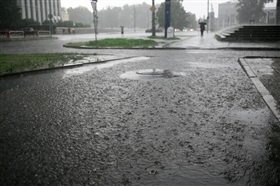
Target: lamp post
[95, 17]
[153, 19]
[167, 16]
[208, 16]
[50, 16]
[278, 12]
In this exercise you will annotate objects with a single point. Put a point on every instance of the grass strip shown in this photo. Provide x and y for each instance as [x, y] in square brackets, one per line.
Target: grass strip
[164, 38]
[116, 42]
[10, 63]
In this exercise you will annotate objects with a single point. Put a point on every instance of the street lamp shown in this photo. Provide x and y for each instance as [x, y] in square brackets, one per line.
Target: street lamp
[167, 16]
[153, 19]
[95, 17]
[208, 16]
[50, 16]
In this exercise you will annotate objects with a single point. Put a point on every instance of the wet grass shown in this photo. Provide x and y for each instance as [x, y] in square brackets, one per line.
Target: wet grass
[270, 172]
[116, 42]
[25, 39]
[160, 37]
[10, 63]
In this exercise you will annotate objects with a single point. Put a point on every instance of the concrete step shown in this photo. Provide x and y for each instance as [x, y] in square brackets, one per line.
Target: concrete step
[251, 33]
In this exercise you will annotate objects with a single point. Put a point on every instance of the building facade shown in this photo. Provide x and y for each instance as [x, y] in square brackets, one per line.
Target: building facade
[39, 10]
[270, 15]
[227, 15]
[64, 15]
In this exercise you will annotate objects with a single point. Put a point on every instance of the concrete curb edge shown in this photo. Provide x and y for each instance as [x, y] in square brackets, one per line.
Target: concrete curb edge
[266, 95]
[62, 67]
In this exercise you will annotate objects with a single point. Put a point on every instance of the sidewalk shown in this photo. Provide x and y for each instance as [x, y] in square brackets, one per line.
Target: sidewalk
[264, 72]
[265, 75]
[209, 42]
[208, 126]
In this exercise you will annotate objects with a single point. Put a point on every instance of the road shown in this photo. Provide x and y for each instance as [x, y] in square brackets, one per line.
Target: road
[56, 45]
[206, 124]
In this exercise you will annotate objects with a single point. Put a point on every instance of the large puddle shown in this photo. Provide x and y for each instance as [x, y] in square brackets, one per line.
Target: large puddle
[88, 68]
[206, 65]
[151, 74]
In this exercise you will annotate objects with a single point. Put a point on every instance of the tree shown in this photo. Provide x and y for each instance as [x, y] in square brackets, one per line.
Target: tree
[28, 23]
[127, 16]
[80, 14]
[9, 14]
[251, 10]
[277, 11]
[191, 21]
[178, 15]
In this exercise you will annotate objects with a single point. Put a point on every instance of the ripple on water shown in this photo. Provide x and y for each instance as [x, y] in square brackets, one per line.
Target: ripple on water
[151, 74]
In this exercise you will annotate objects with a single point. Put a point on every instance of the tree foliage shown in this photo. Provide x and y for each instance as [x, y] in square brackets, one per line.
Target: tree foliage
[191, 21]
[80, 14]
[179, 17]
[28, 23]
[251, 10]
[127, 16]
[9, 14]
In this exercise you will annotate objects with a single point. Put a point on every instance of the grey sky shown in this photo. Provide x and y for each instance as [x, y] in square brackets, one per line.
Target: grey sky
[198, 7]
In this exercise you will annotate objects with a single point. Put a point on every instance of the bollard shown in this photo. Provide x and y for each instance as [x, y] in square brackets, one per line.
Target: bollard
[122, 30]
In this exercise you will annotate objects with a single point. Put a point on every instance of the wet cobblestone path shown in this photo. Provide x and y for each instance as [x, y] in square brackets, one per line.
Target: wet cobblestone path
[206, 126]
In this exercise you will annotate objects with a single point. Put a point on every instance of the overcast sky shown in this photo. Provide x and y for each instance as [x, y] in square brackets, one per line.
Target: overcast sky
[198, 7]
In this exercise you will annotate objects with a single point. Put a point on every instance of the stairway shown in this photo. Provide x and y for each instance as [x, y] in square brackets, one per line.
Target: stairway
[245, 33]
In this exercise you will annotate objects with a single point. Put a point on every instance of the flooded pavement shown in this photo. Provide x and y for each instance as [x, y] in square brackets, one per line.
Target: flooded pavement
[151, 74]
[265, 74]
[268, 70]
[209, 126]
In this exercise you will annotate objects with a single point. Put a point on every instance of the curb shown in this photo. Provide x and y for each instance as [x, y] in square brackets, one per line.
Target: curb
[165, 47]
[266, 95]
[61, 67]
[168, 47]
[251, 48]
[29, 39]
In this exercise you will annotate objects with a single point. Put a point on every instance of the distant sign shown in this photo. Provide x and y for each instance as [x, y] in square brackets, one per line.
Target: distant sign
[16, 34]
[50, 16]
[170, 32]
[153, 8]
[44, 33]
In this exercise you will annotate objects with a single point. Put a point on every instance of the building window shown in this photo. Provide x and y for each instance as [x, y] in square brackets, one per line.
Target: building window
[26, 8]
[46, 7]
[50, 6]
[42, 11]
[31, 10]
[37, 10]
[54, 9]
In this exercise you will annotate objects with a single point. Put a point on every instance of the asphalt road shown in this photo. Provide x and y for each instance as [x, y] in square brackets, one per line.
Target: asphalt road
[203, 124]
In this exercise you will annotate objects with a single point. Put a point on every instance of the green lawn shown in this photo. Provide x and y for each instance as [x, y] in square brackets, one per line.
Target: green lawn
[164, 38]
[116, 42]
[10, 63]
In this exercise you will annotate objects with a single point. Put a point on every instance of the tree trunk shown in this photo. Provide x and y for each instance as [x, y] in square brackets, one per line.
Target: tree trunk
[278, 12]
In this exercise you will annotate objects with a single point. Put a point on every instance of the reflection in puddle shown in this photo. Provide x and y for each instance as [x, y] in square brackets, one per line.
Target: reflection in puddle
[261, 66]
[264, 70]
[252, 116]
[206, 65]
[87, 68]
[199, 51]
[151, 74]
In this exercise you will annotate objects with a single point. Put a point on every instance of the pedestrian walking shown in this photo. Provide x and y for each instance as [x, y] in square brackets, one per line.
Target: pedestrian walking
[122, 30]
[202, 28]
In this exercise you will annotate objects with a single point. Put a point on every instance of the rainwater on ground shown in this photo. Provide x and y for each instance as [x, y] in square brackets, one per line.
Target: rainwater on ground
[207, 125]
[267, 69]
